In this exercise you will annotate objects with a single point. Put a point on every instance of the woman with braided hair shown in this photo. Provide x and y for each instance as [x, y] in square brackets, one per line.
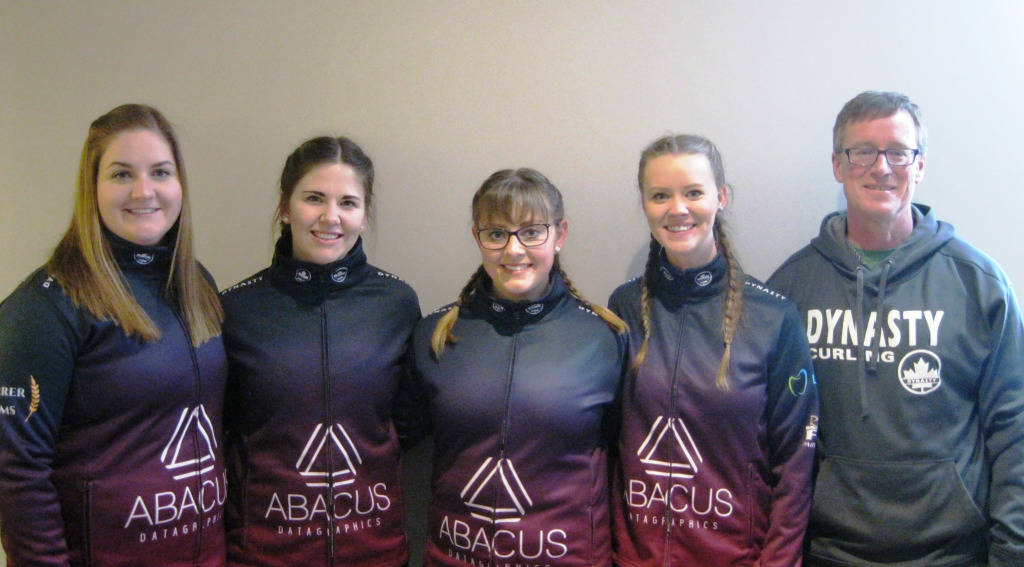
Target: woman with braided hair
[720, 407]
[521, 377]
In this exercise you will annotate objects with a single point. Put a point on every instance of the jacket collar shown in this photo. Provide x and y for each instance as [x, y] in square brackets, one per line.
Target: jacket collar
[509, 317]
[675, 287]
[131, 257]
[312, 283]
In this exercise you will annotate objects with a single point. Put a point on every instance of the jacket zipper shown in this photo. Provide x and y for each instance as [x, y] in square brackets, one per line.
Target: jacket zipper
[671, 415]
[326, 376]
[198, 547]
[502, 448]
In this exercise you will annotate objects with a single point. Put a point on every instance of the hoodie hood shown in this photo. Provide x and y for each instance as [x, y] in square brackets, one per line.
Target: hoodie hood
[928, 236]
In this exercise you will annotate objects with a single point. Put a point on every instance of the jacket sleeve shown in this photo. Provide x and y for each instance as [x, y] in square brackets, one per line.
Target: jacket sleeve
[1001, 410]
[37, 353]
[409, 407]
[792, 420]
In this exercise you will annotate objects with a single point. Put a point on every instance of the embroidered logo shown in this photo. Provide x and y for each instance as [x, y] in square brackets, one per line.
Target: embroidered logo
[535, 308]
[669, 449]
[339, 275]
[302, 275]
[703, 279]
[33, 401]
[497, 307]
[143, 258]
[798, 383]
[919, 372]
[193, 423]
[512, 500]
[312, 463]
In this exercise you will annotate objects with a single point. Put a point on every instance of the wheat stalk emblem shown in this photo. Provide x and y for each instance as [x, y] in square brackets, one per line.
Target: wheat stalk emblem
[33, 403]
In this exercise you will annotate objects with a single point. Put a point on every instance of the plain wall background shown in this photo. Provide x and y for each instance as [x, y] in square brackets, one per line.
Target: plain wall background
[441, 94]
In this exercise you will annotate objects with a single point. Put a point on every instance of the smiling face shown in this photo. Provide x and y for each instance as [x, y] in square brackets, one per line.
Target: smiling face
[326, 212]
[517, 272]
[137, 188]
[880, 193]
[681, 202]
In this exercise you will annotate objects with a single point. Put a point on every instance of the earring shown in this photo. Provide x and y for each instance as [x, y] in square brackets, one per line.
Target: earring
[558, 249]
[284, 219]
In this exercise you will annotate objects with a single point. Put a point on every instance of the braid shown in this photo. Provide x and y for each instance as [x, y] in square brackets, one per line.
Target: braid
[443, 331]
[645, 303]
[733, 302]
[612, 320]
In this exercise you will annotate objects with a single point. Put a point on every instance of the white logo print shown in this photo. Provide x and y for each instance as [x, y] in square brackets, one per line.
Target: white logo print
[669, 449]
[703, 278]
[535, 308]
[312, 465]
[339, 275]
[484, 506]
[194, 420]
[666, 273]
[919, 372]
[497, 307]
[143, 258]
[302, 275]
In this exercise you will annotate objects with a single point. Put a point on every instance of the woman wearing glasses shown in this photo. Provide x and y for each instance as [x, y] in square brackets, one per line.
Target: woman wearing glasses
[112, 371]
[719, 411]
[317, 349]
[521, 376]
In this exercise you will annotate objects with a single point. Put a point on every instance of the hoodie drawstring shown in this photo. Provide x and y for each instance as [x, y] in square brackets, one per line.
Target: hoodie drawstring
[862, 374]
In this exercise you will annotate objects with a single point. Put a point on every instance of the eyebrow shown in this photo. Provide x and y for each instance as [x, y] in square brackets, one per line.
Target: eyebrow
[324, 194]
[129, 166]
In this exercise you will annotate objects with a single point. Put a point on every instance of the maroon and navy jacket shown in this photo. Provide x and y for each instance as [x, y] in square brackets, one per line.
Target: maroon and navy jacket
[317, 355]
[110, 447]
[710, 477]
[523, 411]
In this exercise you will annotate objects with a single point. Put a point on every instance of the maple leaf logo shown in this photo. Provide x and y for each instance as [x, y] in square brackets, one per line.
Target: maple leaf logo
[921, 369]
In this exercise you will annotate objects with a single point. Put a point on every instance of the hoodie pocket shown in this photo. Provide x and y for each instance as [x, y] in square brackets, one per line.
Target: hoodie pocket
[892, 510]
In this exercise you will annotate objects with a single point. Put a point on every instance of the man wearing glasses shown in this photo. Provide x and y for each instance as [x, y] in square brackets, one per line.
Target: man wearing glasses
[918, 350]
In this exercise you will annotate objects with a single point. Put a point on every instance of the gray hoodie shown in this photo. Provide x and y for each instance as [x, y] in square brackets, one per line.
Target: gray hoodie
[920, 368]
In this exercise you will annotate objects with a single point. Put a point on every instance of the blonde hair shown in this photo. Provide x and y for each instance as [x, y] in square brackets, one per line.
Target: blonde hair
[513, 195]
[691, 144]
[84, 264]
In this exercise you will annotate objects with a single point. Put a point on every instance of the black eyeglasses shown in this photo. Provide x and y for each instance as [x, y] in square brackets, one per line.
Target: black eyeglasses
[867, 156]
[529, 236]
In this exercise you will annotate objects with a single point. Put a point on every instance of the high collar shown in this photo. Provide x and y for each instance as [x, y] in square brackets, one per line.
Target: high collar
[675, 287]
[509, 317]
[131, 257]
[312, 283]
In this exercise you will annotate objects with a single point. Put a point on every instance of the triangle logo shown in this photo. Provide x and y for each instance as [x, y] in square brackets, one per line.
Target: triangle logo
[326, 447]
[495, 493]
[177, 455]
[669, 450]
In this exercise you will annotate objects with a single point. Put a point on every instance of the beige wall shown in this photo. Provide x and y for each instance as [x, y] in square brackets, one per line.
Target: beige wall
[441, 94]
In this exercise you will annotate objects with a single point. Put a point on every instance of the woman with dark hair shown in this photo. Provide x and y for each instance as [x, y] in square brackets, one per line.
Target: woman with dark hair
[317, 347]
[113, 371]
[521, 376]
[720, 408]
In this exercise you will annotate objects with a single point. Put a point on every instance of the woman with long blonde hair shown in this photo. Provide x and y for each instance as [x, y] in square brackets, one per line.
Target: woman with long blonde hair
[114, 372]
[720, 406]
[521, 376]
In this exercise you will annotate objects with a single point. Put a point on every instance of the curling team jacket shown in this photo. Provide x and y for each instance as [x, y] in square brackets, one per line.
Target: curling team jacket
[710, 477]
[316, 357]
[111, 446]
[920, 362]
[523, 409]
